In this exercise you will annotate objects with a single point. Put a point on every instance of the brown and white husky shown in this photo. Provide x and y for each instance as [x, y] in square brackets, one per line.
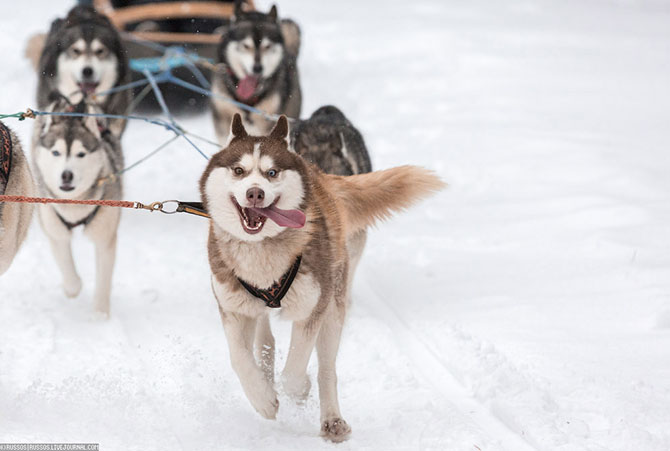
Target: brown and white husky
[280, 236]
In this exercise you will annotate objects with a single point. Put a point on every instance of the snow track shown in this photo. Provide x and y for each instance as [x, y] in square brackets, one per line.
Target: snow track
[431, 367]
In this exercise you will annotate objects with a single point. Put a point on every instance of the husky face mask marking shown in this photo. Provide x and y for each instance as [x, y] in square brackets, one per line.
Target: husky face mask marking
[254, 58]
[253, 49]
[70, 158]
[252, 180]
[87, 67]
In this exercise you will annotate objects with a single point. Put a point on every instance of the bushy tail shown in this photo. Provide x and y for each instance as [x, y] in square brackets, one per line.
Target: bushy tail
[368, 198]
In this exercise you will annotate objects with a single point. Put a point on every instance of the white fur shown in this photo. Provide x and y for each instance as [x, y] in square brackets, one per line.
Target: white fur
[72, 62]
[222, 184]
[85, 169]
[240, 56]
[272, 54]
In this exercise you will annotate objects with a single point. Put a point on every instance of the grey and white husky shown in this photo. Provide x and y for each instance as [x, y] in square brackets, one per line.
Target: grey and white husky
[282, 235]
[330, 141]
[15, 180]
[257, 60]
[74, 158]
[83, 56]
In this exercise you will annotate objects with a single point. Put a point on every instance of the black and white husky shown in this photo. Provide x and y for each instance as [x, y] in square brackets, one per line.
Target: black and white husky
[83, 56]
[74, 158]
[15, 180]
[257, 60]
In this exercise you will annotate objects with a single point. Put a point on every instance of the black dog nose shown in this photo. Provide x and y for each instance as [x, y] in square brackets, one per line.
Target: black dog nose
[67, 177]
[255, 195]
[87, 72]
[258, 68]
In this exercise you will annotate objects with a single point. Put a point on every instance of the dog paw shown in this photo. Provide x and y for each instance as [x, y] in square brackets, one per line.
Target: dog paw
[265, 401]
[297, 388]
[335, 429]
[72, 287]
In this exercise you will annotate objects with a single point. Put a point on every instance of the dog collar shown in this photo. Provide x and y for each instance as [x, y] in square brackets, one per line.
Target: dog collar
[84, 222]
[5, 156]
[272, 296]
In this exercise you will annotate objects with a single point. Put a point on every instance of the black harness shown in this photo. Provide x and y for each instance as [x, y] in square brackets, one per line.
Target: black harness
[272, 296]
[84, 222]
[5, 156]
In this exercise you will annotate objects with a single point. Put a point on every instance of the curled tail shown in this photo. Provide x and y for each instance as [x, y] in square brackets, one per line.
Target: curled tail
[368, 198]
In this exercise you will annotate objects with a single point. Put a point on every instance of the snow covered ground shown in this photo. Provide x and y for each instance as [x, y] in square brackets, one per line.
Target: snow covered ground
[526, 307]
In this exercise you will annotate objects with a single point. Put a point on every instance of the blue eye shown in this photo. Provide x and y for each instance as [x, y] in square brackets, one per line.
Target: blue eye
[55, 153]
[81, 155]
[272, 173]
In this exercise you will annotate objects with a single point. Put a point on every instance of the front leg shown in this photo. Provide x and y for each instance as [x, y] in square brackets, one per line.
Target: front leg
[239, 331]
[60, 239]
[265, 347]
[62, 251]
[295, 381]
[105, 256]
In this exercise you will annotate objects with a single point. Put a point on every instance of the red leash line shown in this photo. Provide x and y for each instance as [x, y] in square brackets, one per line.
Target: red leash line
[47, 200]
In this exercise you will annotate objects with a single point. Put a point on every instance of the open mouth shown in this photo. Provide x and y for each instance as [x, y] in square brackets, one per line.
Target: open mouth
[88, 87]
[252, 221]
[247, 86]
[253, 218]
[66, 187]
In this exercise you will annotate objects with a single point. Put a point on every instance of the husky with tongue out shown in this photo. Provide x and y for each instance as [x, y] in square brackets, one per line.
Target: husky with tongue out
[257, 67]
[283, 237]
[83, 57]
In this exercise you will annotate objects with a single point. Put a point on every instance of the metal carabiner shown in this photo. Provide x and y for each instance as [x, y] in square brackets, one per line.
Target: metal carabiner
[170, 211]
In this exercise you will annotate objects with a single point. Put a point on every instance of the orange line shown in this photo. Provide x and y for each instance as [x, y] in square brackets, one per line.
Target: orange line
[47, 200]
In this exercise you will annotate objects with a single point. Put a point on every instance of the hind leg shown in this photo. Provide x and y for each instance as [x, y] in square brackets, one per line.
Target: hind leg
[265, 347]
[333, 426]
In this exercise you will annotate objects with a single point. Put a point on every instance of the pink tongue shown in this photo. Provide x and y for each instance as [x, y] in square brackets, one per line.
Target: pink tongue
[246, 87]
[285, 218]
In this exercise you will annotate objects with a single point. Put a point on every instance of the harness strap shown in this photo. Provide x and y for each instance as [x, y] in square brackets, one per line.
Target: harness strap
[5, 156]
[83, 222]
[272, 296]
[194, 208]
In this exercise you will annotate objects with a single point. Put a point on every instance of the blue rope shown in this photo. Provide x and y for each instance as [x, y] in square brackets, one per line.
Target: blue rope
[161, 101]
[108, 116]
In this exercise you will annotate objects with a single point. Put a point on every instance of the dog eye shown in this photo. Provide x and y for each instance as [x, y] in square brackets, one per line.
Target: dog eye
[272, 173]
[246, 46]
[100, 53]
[75, 52]
[266, 47]
[238, 171]
[81, 155]
[55, 153]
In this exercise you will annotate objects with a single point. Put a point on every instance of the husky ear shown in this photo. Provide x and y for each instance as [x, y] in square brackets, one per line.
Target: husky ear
[237, 11]
[273, 12]
[93, 124]
[280, 130]
[237, 129]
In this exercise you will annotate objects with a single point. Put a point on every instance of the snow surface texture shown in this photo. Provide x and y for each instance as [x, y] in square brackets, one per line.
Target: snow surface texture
[526, 307]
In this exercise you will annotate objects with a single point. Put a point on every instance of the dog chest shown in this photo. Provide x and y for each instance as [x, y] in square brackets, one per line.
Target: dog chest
[298, 303]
